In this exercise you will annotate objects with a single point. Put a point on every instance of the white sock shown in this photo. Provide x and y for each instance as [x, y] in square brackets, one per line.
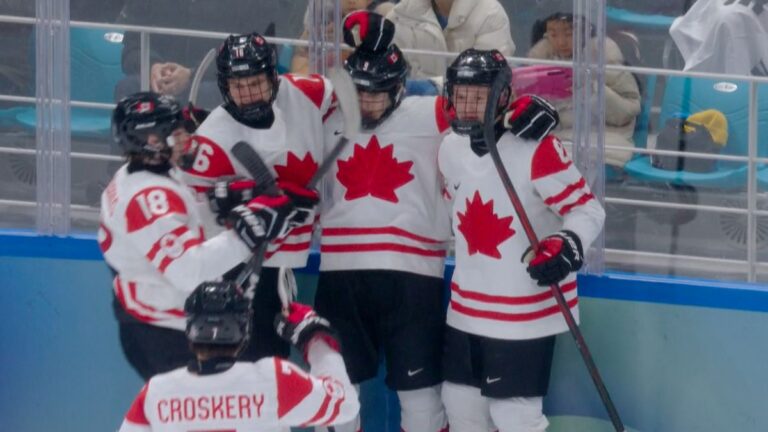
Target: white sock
[519, 414]
[422, 410]
[467, 409]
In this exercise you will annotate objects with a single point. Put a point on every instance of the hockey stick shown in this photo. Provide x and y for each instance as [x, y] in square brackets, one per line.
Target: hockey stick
[489, 134]
[346, 97]
[286, 287]
[194, 88]
[265, 182]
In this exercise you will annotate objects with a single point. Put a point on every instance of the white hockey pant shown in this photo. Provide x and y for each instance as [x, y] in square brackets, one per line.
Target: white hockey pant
[469, 411]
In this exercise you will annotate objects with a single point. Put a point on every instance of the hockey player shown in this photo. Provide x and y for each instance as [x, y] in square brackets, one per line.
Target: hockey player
[216, 392]
[283, 118]
[502, 318]
[152, 237]
[386, 228]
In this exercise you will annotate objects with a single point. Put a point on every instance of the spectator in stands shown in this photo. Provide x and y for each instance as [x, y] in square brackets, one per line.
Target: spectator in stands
[449, 25]
[173, 59]
[622, 93]
[300, 62]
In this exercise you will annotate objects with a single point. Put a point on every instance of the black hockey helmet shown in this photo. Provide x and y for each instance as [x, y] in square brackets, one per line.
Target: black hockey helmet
[242, 56]
[382, 71]
[217, 314]
[137, 116]
[475, 67]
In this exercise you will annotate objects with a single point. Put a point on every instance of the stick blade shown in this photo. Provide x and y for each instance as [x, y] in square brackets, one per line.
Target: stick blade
[346, 95]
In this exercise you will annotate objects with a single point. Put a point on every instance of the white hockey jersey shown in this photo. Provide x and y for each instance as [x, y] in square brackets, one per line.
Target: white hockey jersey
[724, 36]
[267, 396]
[151, 234]
[492, 295]
[382, 201]
[292, 148]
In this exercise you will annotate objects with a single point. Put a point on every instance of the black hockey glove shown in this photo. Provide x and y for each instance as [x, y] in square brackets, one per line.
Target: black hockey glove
[304, 199]
[261, 219]
[558, 255]
[227, 194]
[530, 117]
[301, 325]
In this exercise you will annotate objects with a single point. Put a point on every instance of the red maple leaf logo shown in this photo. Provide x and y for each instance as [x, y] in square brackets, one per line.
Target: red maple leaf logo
[483, 230]
[373, 171]
[297, 171]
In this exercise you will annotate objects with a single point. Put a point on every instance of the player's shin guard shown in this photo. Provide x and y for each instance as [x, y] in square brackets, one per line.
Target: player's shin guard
[422, 410]
[467, 409]
[518, 414]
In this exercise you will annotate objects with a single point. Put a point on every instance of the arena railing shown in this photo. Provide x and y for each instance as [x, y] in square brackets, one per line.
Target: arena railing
[750, 267]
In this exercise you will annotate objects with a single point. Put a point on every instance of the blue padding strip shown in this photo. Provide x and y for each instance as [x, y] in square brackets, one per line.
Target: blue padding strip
[614, 286]
[676, 291]
[27, 244]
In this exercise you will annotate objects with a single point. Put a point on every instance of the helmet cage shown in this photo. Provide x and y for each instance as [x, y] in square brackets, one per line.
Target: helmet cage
[379, 72]
[244, 56]
[474, 67]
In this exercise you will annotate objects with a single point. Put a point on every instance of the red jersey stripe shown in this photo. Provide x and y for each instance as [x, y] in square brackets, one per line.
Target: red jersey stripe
[510, 300]
[187, 245]
[336, 411]
[180, 231]
[581, 201]
[516, 317]
[571, 188]
[320, 412]
[379, 230]
[135, 413]
[381, 247]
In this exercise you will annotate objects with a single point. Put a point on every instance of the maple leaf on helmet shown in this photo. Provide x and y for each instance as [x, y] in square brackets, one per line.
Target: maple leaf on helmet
[482, 228]
[373, 170]
[297, 171]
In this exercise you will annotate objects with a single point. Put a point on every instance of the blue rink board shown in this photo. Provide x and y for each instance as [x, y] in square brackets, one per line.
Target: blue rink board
[676, 354]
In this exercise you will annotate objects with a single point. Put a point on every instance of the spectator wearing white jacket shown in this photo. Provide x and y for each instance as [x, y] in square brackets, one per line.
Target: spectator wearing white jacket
[449, 25]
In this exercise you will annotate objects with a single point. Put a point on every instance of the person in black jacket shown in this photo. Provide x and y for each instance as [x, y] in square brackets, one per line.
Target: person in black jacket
[173, 59]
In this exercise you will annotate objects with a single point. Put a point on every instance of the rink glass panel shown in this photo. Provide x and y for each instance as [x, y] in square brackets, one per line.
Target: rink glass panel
[717, 239]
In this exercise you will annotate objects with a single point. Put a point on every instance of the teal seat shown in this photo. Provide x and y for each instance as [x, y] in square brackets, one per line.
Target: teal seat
[690, 95]
[95, 70]
[634, 19]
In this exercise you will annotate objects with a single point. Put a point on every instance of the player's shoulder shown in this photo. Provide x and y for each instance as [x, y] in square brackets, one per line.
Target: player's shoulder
[167, 380]
[549, 157]
[217, 125]
[315, 88]
[153, 197]
[423, 114]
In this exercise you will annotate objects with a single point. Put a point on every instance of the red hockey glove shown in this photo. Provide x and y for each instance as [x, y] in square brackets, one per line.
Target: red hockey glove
[530, 117]
[305, 200]
[558, 255]
[301, 325]
[368, 31]
[227, 194]
[263, 218]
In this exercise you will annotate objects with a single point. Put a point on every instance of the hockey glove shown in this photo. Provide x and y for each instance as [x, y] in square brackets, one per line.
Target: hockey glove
[261, 219]
[368, 31]
[558, 255]
[301, 325]
[304, 199]
[228, 194]
[530, 117]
